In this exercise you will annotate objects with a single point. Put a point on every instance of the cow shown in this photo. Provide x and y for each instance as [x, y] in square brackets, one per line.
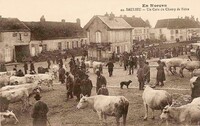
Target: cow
[116, 106]
[4, 80]
[14, 80]
[7, 114]
[186, 114]
[155, 99]
[16, 95]
[173, 62]
[190, 66]
[195, 86]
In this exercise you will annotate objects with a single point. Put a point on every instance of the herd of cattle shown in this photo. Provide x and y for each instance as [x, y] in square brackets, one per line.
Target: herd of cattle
[17, 89]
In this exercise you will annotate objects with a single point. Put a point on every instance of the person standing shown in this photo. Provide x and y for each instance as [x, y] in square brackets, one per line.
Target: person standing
[61, 74]
[49, 63]
[32, 68]
[140, 76]
[100, 81]
[160, 74]
[77, 89]
[77, 63]
[39, 112]
[103, 90]
[86, 86]
[146, 72]
[110, 66]
[131, 63]
[25, 67]
[69, 85]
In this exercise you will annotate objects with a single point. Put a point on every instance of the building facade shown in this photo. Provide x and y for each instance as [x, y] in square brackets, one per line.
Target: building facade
[108, 34]
[140, 28]
[14, 40]
[50, 36]
[177, 29]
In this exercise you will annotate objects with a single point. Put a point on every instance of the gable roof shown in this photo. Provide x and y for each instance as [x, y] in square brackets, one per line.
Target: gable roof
[54, 30]
[136, 22]
[12, 24]
[177, 23]
[115, 23]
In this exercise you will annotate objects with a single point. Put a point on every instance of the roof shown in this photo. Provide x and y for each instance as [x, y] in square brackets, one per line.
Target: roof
[12, 24]
[136, 22]
[177, 23]
[115, 23]
[54, 30]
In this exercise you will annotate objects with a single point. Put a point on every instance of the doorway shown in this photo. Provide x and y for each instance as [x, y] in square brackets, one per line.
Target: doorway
[21, 51]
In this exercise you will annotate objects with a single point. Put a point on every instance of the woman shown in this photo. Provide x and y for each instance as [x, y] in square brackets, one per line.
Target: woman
[160, 74]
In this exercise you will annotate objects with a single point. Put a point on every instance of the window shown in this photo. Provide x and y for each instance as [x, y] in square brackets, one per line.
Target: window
[59, 46]
[98, 37]
[77, 44]
[181, 37]
[44, 47]
[176, 31]
[172, 37]
[14, 34]
[72, 44]
[160, 31]
[67, 45]
[20, 36]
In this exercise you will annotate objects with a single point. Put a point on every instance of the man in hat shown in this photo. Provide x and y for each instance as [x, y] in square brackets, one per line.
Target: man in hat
[86, 86]
[110, 67]
[100, 81]
[61, 72]
[39, 113]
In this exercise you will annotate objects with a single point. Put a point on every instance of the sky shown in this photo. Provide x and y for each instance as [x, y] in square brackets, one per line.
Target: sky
[70, 10]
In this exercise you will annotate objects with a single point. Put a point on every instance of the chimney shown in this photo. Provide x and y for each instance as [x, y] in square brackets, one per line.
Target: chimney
[106, 14]
[78, 21]
[42, 19]
[112, 16]
[63, 20]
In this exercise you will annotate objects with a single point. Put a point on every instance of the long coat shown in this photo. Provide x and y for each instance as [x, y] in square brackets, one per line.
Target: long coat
[86, 87]
[62, 75]
[100, 81]
[69, 84]
[160, 73]
[39, 114]
[77, 89]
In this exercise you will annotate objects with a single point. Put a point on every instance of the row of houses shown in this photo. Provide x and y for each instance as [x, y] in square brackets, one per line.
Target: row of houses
[104, 34]
[109, 33]
[20, 39]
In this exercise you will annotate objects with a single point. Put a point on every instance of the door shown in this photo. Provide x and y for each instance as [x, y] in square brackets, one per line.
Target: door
[21, 51]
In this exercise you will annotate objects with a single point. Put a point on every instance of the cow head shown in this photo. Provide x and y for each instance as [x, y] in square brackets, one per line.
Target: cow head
[165, 113]
[83, 103]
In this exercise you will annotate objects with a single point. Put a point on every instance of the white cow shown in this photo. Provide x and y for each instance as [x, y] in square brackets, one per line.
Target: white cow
[190, 66]
[106, 106]
[173, 62]
[16, 95]
[186, 114]
[8, 114]
[4, 80]
[155, 99]
[17, 80]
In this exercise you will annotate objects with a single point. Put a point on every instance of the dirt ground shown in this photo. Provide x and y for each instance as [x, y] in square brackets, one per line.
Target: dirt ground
[64, 113]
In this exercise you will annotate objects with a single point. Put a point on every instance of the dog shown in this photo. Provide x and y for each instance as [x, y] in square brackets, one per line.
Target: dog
[127, 83]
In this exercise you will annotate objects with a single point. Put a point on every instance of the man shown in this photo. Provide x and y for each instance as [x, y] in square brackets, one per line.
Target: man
[110, 67]
[32, 68]
[146, 72]
[140, 75]
[69, 85]
[131, 63]
[39, 113]
[77, 89]
[49, 63]
[103, 90]
[100, 81]
[86, 86]
[61, 74]
[25, 67]
[160, 74]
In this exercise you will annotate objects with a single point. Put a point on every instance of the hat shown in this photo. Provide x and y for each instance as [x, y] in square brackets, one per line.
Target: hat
[97, 72]
[37, 97]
